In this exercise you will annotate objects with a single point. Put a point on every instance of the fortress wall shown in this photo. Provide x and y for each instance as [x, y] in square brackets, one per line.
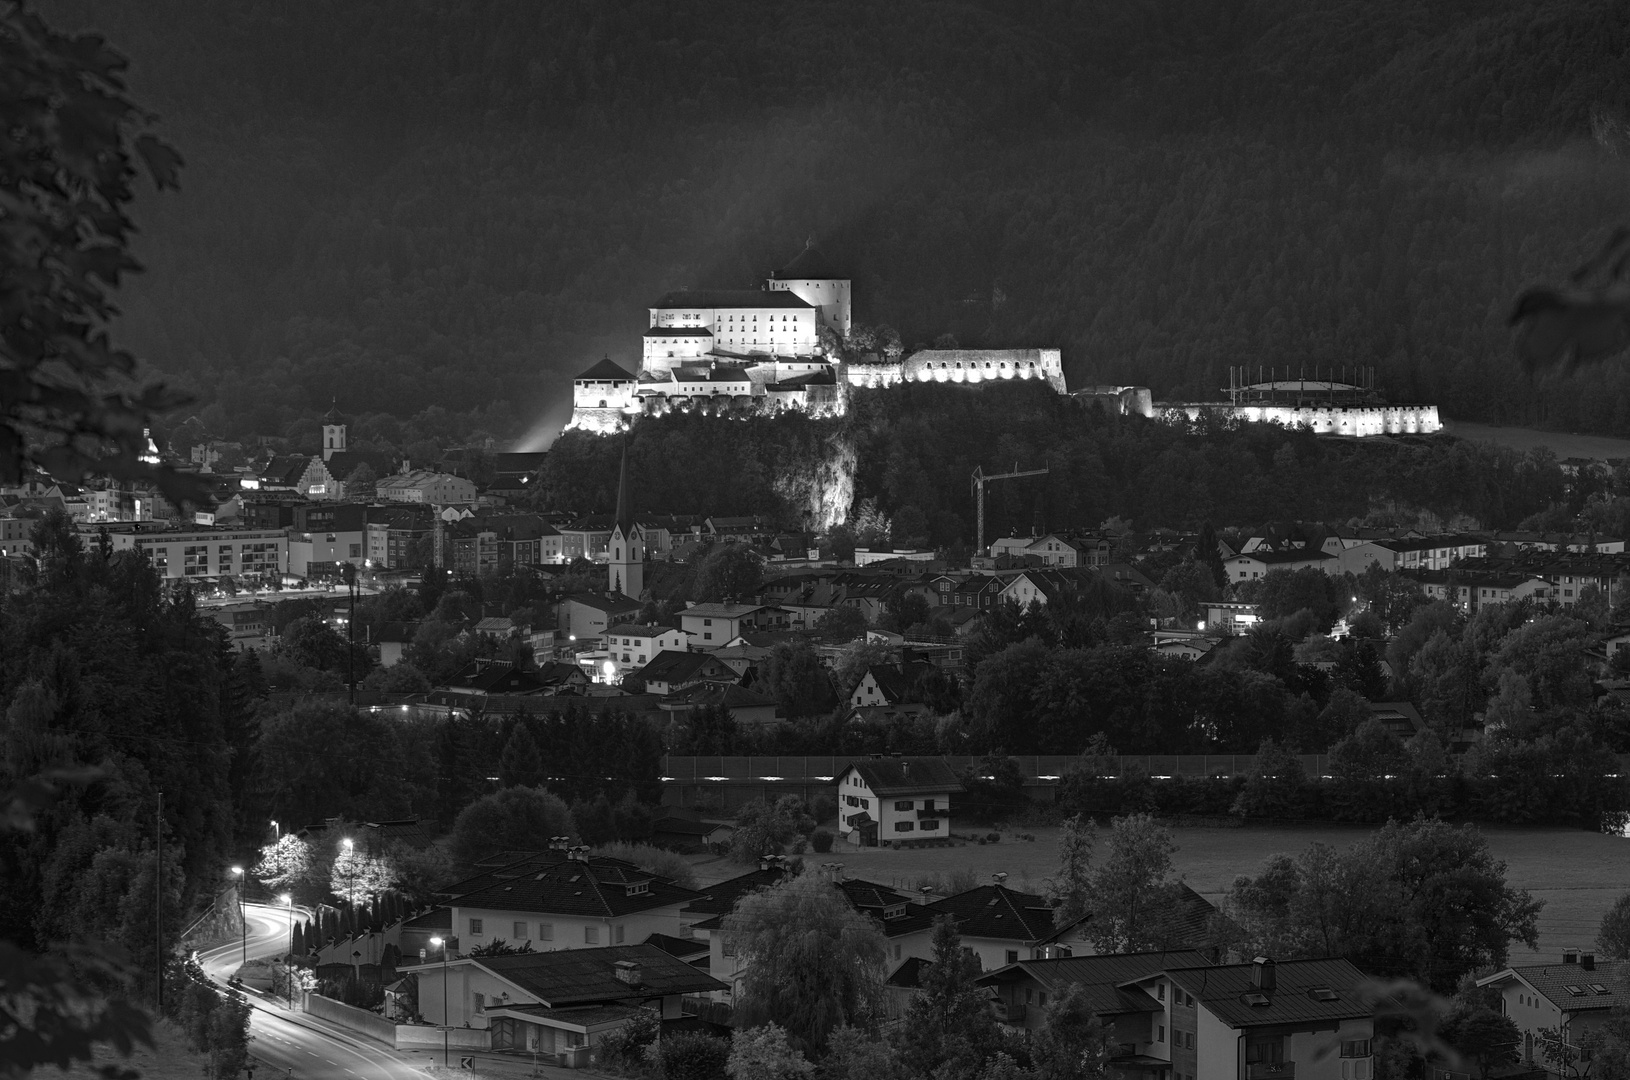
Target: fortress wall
[1359, 421]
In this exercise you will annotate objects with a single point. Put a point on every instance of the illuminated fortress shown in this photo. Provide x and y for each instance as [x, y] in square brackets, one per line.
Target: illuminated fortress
[738, 352]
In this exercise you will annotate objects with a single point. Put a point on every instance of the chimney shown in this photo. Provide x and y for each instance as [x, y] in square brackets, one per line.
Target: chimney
[1587, 961]
[628, 972]
[1262, 975]
[905, 768]
[1570, 956]
[1000, 879]
[925, 890]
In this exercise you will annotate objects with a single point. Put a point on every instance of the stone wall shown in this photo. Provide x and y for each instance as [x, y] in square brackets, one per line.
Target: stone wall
[968, 366]
[1360, 421]
[362, 1021]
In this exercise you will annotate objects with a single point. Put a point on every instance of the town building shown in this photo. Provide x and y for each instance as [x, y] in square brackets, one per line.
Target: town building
[633, 645]
[713, 626]
[426, 487]
[1248, 566]
[885, 799]
[580, 616]
[557, 1003]
[671, 671]
[202, 553]
[1175, 1015]
[1572, 998]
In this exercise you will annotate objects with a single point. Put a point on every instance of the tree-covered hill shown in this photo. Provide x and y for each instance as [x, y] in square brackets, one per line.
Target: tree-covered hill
[439, 211]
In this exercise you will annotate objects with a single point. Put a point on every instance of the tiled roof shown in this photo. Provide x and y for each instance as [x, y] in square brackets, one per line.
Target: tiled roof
[633, 630]
[611, 605]
[597, 888]
[590, 1016]
[1553, 980]
[726, 695]
[1101, 977]
[589, 976]
[1269, 558]
[607, 370]
[679, 331]
[733, 298]
[810, 265]
[435, 919]
[723, 611]
[906, 776]
[677, 665]
[1227, 993]
[995, 911]
[684, 948]
[719, 898]
[909, 975]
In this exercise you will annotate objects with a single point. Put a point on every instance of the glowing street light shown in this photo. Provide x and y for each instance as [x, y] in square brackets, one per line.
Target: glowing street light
[441, 944]
[288, 962]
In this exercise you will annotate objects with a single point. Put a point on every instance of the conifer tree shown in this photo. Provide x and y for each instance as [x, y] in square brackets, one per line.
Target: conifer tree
[520, 764]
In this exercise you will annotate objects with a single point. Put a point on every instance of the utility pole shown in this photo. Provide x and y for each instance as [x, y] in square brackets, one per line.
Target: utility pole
[980, 479]
[158, 906]
[349, 572]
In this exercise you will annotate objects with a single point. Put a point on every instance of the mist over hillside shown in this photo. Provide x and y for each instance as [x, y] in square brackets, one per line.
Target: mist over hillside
[438, 228]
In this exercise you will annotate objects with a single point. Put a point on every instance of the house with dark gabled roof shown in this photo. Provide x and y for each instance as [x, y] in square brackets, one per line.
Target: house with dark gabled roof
[1574, 997]
[575, 902]
[888, 692]
[1172, 1014]
[883, 799]
[1001, 925]
[555, 1003]
[672, 670]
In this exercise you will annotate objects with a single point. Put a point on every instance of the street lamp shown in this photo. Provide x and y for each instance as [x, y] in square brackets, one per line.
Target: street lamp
[442, 945]
[288, 960]
[243, 923]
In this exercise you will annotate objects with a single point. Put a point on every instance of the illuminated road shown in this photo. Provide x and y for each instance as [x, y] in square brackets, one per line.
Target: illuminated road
[293, 1044]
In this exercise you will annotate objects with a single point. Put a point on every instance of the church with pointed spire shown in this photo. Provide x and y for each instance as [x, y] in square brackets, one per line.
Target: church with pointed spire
[627, 547]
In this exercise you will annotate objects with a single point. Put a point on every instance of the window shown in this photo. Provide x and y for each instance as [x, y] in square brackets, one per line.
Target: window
[1264, 1050]
[591, 935]
[479, 1000]
[727, 946]
[356, 551]
[1160, 1033]
[1041, 999]
[931, 823]
[520, 931]
[546, 931]
[1013, 956]
[475, 927]
[1355, 1048]
[902, 804]
[1160, 992]
[904, 826]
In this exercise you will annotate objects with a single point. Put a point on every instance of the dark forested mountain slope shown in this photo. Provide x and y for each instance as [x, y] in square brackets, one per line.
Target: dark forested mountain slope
[439, 211]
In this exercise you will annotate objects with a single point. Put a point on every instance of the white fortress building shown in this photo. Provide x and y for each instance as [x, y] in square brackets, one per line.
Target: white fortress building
[1327, 406]
[743, 351]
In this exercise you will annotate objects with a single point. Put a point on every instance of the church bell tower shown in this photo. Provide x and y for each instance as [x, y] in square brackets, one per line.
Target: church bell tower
[627, 543]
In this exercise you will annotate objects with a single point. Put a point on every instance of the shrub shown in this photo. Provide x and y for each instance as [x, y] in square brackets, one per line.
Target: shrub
[625, 1048]
[994, 838]
[821, 841]
[692, 1056]
[659, 861]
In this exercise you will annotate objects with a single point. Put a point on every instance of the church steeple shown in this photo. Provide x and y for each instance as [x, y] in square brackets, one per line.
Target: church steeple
[627, 563]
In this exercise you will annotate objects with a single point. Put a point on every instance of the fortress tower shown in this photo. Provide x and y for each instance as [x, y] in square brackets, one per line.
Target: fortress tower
[811, 278]
[627, 544]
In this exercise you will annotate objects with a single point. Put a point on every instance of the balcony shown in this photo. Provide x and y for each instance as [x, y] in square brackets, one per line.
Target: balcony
[938, 812]
[1270, 1070]
[1123, 1050]
[1008, 1014]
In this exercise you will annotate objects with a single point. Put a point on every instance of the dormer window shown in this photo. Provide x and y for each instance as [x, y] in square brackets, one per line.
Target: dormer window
[636, 888]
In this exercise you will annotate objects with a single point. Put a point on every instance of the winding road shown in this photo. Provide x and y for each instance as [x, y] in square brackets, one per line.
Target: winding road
[290, 1045]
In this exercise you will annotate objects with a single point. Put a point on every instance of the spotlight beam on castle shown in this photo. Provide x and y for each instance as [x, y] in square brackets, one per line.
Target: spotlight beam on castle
[981, 478]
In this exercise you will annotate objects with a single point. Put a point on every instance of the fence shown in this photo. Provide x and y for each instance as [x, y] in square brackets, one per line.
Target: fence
[429, 1037]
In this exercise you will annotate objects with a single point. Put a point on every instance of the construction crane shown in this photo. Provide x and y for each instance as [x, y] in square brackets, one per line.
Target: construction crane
[981, 478]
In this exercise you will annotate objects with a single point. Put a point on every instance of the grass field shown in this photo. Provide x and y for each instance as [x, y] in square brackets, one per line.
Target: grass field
[1561, 443]
[1578, 874]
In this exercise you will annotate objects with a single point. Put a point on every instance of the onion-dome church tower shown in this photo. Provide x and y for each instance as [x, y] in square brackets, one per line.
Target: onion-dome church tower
[627, 546]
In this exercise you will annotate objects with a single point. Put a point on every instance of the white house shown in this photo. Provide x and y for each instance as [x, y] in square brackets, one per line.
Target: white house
[423, 486]
[713, 626]
[883, 799]
[1174, 1015]
[631, 646]
[567, 902]
[553, 1002]
[591, 615]
[1572, 997]
[1251, 565]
